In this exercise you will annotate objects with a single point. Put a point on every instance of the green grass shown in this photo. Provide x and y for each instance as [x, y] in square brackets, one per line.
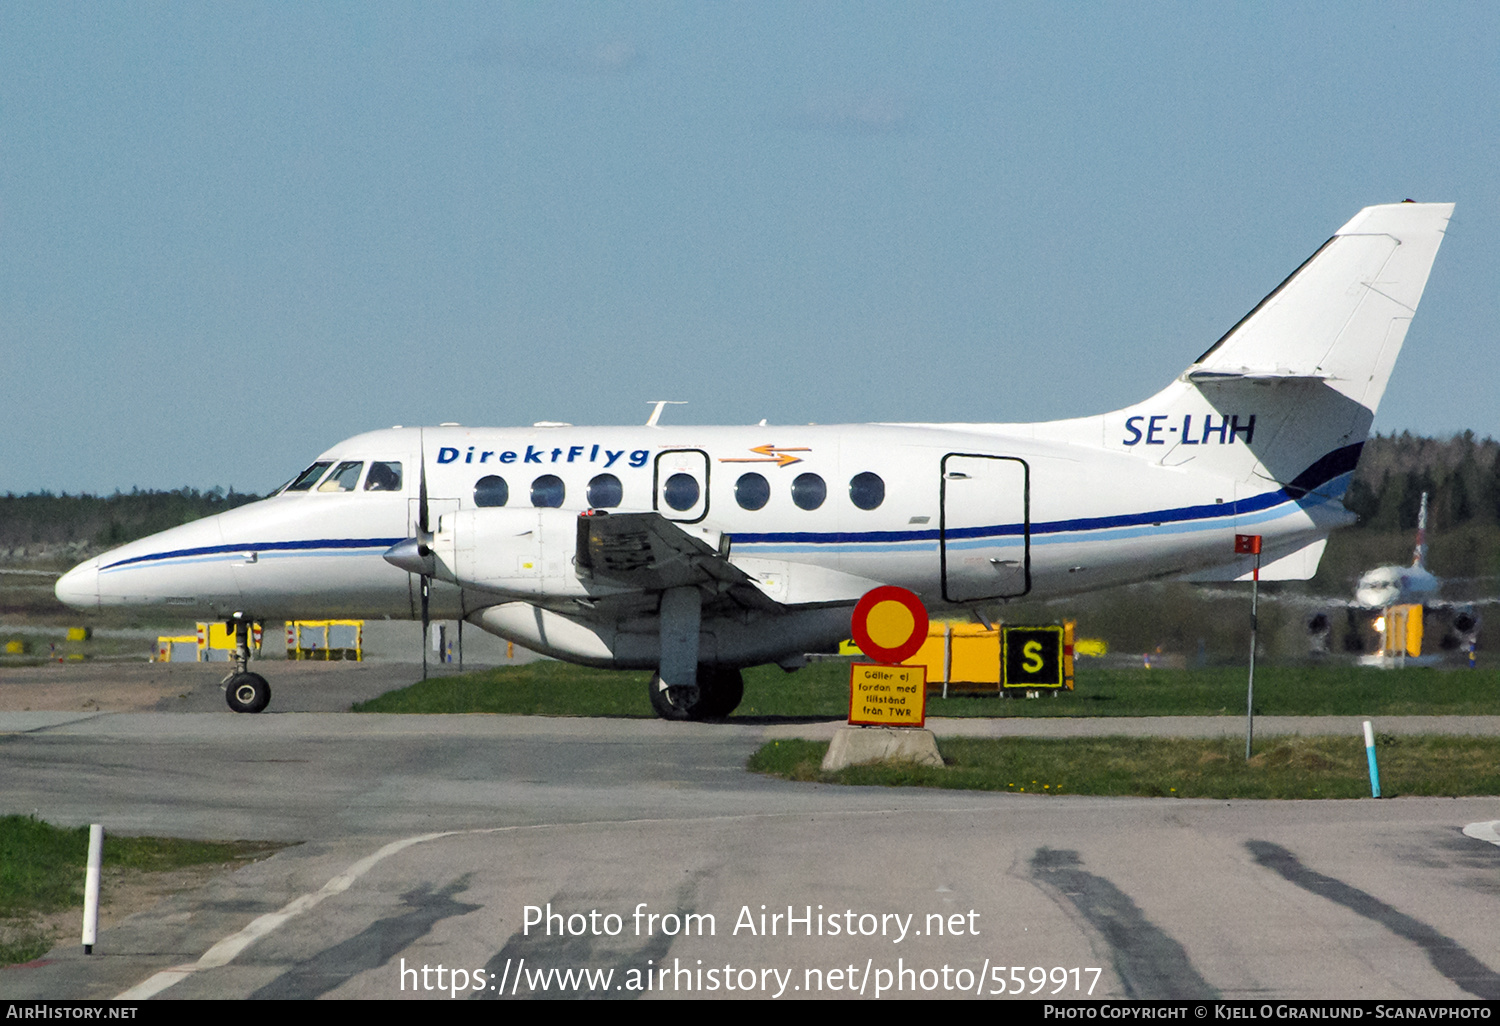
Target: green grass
[821, 690]
[42, 870]
[543, 688]
[1282, 767]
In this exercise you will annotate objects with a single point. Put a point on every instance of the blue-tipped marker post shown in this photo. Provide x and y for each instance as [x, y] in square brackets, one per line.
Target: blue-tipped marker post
[1370, 754]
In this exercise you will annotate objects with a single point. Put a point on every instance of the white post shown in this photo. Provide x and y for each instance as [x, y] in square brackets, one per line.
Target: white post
[91, 889]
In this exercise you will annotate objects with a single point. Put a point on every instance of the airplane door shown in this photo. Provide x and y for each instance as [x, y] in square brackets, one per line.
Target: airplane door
[681, 485]
[985, 527]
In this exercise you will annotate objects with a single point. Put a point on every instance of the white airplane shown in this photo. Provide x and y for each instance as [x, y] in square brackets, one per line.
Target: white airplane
[697, 551]
[1455, 624]
[1394, 585]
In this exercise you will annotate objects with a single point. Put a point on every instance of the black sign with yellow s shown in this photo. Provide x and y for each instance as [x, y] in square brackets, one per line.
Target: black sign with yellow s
[1036, 657]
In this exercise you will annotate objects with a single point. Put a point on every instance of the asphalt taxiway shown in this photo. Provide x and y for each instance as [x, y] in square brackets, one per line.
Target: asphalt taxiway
[425, 841]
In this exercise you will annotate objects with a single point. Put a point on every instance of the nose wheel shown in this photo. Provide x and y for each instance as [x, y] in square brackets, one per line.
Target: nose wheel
[247, 692]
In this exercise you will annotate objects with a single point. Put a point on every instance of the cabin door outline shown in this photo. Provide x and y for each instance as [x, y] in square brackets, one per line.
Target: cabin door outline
[985, 511]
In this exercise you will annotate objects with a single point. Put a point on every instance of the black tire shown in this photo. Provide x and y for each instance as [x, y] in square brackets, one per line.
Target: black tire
[723, 688]
[247, 693]
[680, 703]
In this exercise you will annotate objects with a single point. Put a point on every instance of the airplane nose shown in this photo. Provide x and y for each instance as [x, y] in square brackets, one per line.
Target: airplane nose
[79, 587]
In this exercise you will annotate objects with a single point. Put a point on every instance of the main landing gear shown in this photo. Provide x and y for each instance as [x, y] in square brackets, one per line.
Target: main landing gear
[716, 694]
[682, 688]
[245, 692]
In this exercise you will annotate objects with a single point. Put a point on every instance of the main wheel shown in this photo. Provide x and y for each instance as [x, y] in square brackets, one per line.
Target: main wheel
[674, 703]
[247, 693]
[722, 689]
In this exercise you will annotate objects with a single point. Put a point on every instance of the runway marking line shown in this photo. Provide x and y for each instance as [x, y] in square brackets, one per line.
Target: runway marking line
[1484, 831]
[53, 726]
[227, 949]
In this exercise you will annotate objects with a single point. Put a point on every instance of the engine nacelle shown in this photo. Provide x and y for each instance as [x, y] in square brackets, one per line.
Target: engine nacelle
[522, 552]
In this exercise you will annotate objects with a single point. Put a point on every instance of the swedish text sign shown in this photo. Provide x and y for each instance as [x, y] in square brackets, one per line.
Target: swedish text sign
[887, 696]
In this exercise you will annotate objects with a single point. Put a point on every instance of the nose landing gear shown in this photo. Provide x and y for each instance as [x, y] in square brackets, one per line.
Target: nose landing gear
[245, 692]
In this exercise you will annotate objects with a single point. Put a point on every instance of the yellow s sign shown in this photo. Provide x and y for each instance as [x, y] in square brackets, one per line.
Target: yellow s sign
[1033, 657]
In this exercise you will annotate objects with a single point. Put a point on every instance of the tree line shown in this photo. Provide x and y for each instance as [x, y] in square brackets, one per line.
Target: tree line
[1461, 475]
[42, 522]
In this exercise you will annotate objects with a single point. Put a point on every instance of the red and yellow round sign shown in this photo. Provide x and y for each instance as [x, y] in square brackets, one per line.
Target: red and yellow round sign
[890, 624]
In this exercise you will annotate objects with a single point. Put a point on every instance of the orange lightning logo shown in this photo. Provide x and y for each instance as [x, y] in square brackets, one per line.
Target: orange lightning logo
[768, 454]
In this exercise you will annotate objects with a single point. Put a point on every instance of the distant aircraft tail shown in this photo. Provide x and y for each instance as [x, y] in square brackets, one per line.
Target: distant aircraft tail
[1287, 396]
[1419, 554]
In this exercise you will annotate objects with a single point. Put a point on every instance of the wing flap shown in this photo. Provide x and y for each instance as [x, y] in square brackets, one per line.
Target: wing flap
[648, 552]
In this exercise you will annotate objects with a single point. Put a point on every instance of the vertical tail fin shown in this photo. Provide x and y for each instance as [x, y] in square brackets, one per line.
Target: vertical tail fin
[1288, 394]
[1419, 554]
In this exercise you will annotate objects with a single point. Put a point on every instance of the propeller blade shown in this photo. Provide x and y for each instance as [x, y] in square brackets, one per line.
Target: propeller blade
[423, 552]
[422, 524]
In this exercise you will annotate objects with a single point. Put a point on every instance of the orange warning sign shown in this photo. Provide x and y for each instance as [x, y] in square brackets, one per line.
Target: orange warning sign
[887, 696]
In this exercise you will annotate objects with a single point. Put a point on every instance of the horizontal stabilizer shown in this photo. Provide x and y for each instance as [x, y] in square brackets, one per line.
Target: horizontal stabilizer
[1203, 374]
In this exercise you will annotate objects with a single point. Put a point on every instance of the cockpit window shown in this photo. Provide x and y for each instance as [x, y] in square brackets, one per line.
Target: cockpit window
[344, 477]
[384, 477]
[309, 477]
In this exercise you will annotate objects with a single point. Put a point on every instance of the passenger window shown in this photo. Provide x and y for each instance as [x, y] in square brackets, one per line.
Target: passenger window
[866, 490]
[491, 491]
[605, 492]
[384, 477]
[308, 477]
[681, 491]
[548, 491]
[809, 491]
[344, 477]
[752, 491]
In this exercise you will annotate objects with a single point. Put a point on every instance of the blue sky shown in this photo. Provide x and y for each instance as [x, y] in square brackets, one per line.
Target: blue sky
[233, 234]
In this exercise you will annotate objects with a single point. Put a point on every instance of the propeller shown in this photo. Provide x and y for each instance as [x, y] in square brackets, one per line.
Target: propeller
[414, 555]
[424, 549]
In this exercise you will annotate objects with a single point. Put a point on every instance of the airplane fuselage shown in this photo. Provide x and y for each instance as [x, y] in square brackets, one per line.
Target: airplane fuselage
[962, 516]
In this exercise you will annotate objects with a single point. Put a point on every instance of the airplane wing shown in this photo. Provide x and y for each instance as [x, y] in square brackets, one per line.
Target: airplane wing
[647, 552]
[612, 560]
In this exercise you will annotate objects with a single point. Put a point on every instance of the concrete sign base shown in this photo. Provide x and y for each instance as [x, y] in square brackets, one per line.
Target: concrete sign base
[855, 746]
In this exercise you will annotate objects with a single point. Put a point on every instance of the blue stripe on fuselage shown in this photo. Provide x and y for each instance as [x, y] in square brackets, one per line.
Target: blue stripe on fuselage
[338, 545]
